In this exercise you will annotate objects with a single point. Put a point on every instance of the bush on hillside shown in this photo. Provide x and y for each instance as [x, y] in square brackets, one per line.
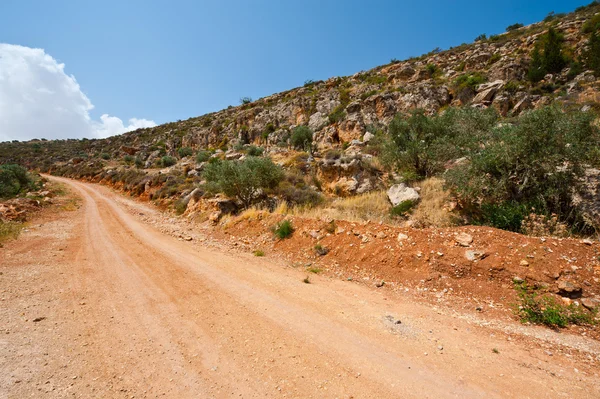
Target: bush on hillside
[512, 27]
[244, 180]
[167, 161]
[548, 56]
[14, 180]
[185, 152]
[302, 137]
[420, 145]
[514, 172]
[203, 156]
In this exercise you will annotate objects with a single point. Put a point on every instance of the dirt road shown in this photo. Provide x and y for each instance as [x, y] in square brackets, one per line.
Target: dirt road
[95, 303]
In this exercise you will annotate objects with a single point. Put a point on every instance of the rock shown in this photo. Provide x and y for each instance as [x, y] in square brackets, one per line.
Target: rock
[380, 284]
[368, 136]
[568, 288]
[399, 193]
[464, 239]
[497, 84]
[522, 105]
[318, 121]
[587, 241]
[590, 303]
[314, 234]
[517, 280]
[402, 237]
[381, 235]
[475, 255]
[129, 150]
[487, 91]
[214, 217]
[524, 263]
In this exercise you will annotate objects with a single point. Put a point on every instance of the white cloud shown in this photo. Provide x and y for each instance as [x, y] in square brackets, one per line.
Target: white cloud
[38, 100]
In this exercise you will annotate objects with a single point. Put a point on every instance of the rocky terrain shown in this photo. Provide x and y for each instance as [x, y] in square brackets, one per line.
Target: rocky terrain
[344, 111]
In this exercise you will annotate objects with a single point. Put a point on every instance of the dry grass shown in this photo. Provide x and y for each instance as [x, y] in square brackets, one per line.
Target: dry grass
[432, 210]
[252, 214]
[372, 206]
[9, 230]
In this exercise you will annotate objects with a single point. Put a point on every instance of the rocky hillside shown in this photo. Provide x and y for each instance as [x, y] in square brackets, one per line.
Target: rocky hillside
[340, 110]
[343, 113]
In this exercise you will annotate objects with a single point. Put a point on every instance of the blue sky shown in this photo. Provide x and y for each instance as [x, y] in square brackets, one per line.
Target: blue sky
[169, 60]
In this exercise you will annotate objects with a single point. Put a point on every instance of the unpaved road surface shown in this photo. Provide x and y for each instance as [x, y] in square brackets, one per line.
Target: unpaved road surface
[96, 303]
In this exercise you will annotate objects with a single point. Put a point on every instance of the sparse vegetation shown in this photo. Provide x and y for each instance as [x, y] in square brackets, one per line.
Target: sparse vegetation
[203, 156]
[321, 250]
[258, 253]
[541, 308]
[512, 27]
[185, 152]
[283, 229]
[245, 100]
[167, 161]
[9, 231]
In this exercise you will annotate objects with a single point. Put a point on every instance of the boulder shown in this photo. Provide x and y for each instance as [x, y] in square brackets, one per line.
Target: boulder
[569, 289]
[473, 255]
[368, 137]
[463, 239]
[590, 303]
[399, 193]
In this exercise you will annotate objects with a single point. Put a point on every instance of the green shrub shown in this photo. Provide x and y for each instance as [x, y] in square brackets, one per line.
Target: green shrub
[180, 206]
[402, 209]
[506, 216]
[481, 38]
[258, 253]
[128, 159]
[337, 115]
[270, 128]
[432, 69]
[244, 180]
[591, 55]
[469, 81]
[185, 152]
[139, 163]
[537, 308]
[513, 170]
[421, 145]
[591, 25]
[548, 56]
[512, 27]
[495, 58]
[302, 137]
[14, 180]
[203, 156]
[105, 156]
[245, 100]
[254, 151]
[283, 229]
[167, 161]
